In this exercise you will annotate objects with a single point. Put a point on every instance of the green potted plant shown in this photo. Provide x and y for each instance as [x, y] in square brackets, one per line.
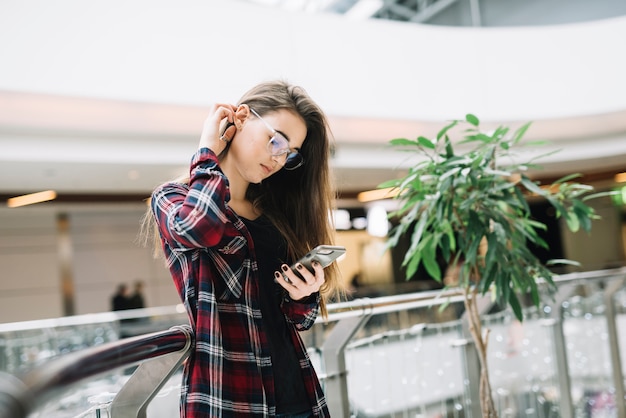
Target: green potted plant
[471, 208]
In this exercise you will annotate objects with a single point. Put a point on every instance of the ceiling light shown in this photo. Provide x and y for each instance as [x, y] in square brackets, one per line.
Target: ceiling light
[29, 199]
[377, 194]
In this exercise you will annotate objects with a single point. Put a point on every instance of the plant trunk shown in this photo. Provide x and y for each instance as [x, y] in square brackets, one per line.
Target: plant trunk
[480, 341]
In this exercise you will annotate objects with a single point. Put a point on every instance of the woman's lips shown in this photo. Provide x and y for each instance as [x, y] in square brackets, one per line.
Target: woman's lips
[267, 169]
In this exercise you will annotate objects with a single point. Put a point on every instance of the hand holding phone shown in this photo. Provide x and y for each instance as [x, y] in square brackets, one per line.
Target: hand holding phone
[302, 287]
[323, 254]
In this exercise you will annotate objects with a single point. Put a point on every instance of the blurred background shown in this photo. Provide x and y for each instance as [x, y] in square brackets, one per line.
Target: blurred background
[101, 101]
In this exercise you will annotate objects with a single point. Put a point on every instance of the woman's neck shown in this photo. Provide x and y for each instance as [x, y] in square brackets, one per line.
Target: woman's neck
[237, 185]
[244, 208]
[238, 201]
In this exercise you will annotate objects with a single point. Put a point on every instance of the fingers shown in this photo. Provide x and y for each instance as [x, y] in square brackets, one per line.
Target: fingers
[219, 116]
[222, 111]
[300, 287]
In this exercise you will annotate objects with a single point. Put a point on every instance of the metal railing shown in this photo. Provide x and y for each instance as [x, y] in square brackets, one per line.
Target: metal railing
[353, 315]
[20, 396]
[160, 354]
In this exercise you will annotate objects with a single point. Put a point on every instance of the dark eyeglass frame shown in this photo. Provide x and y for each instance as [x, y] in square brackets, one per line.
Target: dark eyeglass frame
[293, 158]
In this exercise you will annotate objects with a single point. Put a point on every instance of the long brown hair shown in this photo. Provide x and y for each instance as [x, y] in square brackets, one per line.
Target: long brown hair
[298, 202]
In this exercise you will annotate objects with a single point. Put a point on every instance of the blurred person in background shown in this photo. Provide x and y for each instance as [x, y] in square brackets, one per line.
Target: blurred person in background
[137, 300]
[120, 300]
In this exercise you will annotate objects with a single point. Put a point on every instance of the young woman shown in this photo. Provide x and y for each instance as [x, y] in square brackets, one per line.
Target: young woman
[257, 198]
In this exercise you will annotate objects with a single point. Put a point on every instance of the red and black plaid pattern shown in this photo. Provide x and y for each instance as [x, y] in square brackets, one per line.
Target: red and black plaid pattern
[211, 258]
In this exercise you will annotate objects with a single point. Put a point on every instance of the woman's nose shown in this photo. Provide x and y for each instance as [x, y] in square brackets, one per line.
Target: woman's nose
[280, 159]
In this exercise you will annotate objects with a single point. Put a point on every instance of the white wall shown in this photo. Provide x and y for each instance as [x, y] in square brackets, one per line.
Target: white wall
[107, 252]
[198, 51]
[29, 270]
[104, 253]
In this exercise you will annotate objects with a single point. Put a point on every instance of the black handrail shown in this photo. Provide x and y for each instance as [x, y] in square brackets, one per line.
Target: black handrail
[21, 395]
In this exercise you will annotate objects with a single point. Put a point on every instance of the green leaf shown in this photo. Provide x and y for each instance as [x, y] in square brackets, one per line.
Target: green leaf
[412, 180]
[471, 256]
[572, 221]
[488, 277]
[449, 150]
[445, 246]
[394, 236]
[521, 199]
[537, 143]
[585, 214]
[556, 261]
[494, 172]
[425, 142]
[389, 183]
[601, 194]
[413, 265]
[403, 142]
[472, 119]
[429, 258]
[484, 138]
[534, 292]
[531, 186]
[515, 305]
[500, 132]
[451, 240]
[519, 133]
[503, 285]
[419, 229]
[567, 178]
[446, 128]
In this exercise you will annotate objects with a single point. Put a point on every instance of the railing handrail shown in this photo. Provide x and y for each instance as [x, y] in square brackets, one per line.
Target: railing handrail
[20, 395]
[355, 307]
[93, 318]
[387, 304]
[37, 386]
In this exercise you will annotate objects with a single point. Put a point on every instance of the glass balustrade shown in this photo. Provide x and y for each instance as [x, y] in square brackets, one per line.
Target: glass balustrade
[404, 363]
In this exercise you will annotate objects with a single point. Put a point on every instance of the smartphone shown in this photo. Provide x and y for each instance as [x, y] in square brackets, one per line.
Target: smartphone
[323, 254]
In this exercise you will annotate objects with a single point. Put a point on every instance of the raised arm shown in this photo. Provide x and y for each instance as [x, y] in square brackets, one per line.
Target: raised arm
[193, 215]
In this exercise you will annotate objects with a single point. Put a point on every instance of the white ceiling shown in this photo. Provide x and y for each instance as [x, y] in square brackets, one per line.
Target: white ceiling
[108, 97]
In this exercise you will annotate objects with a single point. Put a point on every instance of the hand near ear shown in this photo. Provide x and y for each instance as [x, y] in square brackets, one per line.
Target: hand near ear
[221, 125]
[219, 116]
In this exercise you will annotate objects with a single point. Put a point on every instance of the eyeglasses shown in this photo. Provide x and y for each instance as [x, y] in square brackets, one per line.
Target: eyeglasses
[278, 146]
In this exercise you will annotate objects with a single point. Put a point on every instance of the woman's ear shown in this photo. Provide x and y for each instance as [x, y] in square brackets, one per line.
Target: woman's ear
[241, 114]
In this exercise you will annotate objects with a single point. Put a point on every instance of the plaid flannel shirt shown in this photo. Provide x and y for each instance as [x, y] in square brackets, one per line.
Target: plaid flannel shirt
[211, 258]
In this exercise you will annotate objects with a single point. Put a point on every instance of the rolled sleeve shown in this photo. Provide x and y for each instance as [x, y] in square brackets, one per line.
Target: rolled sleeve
[302, 313]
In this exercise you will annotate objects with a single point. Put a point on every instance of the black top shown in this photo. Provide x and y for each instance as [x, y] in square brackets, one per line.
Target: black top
[271, 252]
